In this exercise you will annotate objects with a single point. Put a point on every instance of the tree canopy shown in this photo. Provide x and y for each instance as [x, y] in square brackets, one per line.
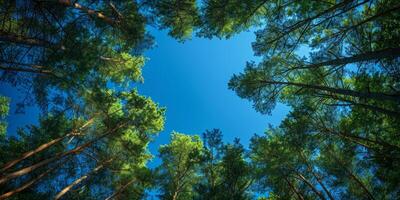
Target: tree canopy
[335, 63]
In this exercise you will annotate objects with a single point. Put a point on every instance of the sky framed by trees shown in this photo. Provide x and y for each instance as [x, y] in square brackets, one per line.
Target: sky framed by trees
[331, 67]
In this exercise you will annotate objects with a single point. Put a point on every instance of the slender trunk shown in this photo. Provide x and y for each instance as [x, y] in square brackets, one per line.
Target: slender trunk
[307, 182]
[18, 39]
[357, 139]
[303, 22]
[369, 19]
[372, 55]
[370, 107]
[79, 180]
[120, 190]
[175, 196]
[299, 195]
[33, 167]
[43, 147]
[253, 12]
[354, 177]
[28, 184]
[316, 176]
[89, 11]
[370, 95]
[23, 64]
[322, 185]
[18, 69]
[359, 182]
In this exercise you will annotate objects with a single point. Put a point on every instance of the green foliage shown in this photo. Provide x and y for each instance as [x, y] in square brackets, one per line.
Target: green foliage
[4, 108]
[224, 18]
[236, 175]
[335, 63]
[179, 16]
[180, 161]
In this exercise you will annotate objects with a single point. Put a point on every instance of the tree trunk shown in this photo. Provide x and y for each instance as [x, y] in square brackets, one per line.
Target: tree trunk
[346, 92]
[18, 39]
[299, 195]
[354, 177]
[43, 147]
[120, 190]
[175, 196]
[33, 167]
[390, 53]
[316, 176]
[369, 19]
[359, 182]
[370, 107]
[28, 184]
[79, 180]
[322, 185]
[303, 22]
[301, 177]
[89, 11]
[357, 139]
[18, 69]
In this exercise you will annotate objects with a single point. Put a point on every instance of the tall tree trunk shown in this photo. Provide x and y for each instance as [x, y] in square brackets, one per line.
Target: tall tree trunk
[359, 182]
[299, 195]
[76, 150]
[322, 185]
[316, 176]
[18, 39]
[27, 184]
[307, 182]
[354, 177]
[23, 64]
[175, 195]
[18, 69]
[390, 53]
[354, 138]
[89, 12]
[369, 107]
[303, 22]
[120, 190]
[79, 180]
[370, 95]
[43, 147]
[366, 20]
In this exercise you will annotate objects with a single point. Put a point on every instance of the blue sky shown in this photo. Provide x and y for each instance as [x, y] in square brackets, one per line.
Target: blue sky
[190, 80]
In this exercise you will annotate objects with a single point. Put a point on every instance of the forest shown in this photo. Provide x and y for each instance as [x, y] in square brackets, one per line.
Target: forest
[335, 63]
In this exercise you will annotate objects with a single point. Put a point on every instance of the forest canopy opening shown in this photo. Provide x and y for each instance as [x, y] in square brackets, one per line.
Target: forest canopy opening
[79, 62]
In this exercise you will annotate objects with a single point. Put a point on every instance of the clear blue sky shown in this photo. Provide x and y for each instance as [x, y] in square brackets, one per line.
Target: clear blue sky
[190, 80]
